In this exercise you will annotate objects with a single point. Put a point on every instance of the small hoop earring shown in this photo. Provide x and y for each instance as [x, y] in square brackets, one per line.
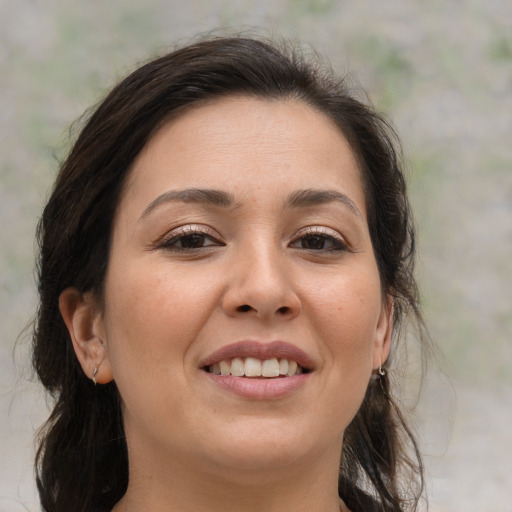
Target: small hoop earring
[382, 372]
[95, 371]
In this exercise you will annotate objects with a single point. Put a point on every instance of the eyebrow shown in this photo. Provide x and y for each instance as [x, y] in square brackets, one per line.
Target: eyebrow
[297, 199]
[192, 195]
[312, 197]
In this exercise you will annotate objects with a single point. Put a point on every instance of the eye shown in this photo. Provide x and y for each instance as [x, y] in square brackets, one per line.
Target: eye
[319, 239]
[190, 238]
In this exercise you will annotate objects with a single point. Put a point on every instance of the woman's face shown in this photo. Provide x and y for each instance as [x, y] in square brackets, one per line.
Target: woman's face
[241, 245]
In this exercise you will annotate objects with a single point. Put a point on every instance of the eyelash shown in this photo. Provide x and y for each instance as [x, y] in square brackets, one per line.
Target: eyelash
[325, 235]
[180, 235]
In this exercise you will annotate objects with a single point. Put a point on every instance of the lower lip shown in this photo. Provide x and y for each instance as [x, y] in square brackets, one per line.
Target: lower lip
[259, 389]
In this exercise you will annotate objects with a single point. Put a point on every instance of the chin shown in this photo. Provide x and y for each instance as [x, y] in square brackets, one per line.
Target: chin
[267, 446]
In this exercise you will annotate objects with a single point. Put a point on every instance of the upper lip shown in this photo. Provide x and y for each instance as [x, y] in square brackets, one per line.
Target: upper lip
[259, 350]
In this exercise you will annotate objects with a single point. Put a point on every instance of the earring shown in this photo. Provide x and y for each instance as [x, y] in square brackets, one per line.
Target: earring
[95, 371]
[382, 372]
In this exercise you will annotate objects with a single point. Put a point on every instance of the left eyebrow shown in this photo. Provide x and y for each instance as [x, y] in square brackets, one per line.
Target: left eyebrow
[312, 197]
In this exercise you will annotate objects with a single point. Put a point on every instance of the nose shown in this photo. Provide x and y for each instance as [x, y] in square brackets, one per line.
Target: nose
[261, 285]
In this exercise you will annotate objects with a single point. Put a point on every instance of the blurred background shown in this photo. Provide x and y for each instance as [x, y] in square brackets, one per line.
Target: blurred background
[442, 71]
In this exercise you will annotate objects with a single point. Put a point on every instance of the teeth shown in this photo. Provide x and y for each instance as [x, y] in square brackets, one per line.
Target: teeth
[292, 368]
[270, 368]
[225, 367]
[252, 367]
[237, 367]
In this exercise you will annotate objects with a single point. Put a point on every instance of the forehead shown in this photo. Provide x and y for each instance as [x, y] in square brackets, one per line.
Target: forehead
[246, 145]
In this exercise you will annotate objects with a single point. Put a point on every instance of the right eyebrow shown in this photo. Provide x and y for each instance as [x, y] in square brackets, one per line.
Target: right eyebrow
[192, 195]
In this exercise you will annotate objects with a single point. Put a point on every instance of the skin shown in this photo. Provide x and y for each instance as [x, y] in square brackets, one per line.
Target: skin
[264, 270]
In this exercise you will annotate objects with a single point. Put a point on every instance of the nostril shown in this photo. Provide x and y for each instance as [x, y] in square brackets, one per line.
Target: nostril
[245, 308]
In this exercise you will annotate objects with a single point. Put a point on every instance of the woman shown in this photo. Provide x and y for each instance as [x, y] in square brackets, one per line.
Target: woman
[225, 263]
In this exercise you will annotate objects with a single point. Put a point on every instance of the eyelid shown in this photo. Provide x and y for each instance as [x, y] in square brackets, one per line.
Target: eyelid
[188, 229]
[320, 230]
[324, 231]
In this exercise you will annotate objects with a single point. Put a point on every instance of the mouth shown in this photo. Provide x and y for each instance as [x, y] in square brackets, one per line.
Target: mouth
[253, 359]
[259, 371]
[252, 367]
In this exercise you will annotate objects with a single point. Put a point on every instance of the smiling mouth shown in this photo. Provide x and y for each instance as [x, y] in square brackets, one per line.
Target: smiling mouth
[256, 368]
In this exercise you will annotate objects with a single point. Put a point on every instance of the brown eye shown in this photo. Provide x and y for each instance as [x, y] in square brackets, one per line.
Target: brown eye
[314, 242]
[318, 241]
[189, 239]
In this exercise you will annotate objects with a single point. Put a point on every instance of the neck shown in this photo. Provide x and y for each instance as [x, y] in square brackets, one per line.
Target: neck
[181, 486]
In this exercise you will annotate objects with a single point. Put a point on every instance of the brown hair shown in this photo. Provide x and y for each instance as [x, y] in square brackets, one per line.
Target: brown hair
[82, 461]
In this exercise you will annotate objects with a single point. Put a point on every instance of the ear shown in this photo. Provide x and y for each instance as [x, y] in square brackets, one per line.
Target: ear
[84, 321]
[383, 332]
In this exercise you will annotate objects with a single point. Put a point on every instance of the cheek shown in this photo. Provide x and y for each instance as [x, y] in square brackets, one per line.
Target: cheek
[345, 317]
[346, 310]
[154, 316]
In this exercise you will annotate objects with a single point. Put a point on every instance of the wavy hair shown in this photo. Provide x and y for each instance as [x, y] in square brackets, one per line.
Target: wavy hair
[82, 459]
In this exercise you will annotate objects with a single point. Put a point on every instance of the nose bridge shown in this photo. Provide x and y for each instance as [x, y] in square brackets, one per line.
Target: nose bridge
[261, 281]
